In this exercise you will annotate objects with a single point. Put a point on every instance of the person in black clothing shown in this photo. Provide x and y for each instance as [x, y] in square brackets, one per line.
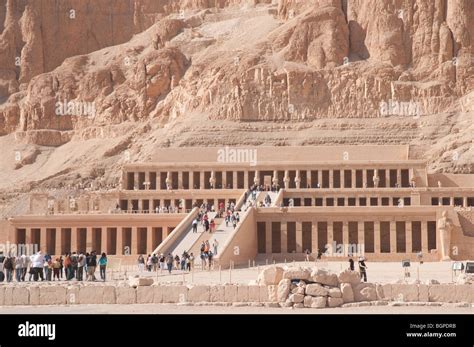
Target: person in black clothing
[363, 269]
[351, 264]
[91, 265]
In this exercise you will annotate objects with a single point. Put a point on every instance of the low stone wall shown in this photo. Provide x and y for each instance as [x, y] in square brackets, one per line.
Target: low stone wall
[232, 294]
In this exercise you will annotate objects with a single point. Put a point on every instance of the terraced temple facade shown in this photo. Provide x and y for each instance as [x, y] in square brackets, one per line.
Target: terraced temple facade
[376, 201]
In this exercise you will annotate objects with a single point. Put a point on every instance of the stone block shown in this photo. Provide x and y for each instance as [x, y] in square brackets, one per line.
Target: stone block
[54, 295]
[34, 295]
[230, 294]
[126, 295]
[423, 293]
[175, 293]
[157, 294]
[315, 289]
[296, 273]
[335, 302]
[325, 277]
[263, 293]
[140, 281]
[198, 293]
[464, 293]
[348, 276]
[404, 292]
[271, 275]
[334, 293]
[217, 293]
[364, 292]
[347, 292]
[21, 296]
[319, 302]
[284, 289]
[72, 295]
[272, 293]
[91, 294]
[296, 298]
[441, 293]
[145, 294]
[242, 293]
[254, 293]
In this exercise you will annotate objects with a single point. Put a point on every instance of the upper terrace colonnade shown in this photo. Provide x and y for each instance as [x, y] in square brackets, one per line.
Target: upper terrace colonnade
[287, 167]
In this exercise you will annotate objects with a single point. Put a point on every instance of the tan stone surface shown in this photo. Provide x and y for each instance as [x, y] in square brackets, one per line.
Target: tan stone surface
[145, 294]
[198, 293]
[126, 295]
[54, 295]
[316, 290]
[347, 292]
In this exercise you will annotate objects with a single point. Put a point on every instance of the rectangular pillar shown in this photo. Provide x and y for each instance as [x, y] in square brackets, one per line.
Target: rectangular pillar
[268, 235]
[89, 239]
[104, 238]
[399, 177]
[393, 237]
[364, 178]
[299, 237]
[136, 183]
[234, 180]
[331, 178]
[180, 179]
[149, 240]
[353, 178]
[119, 244]
[134, 245]
[309, 181]
[284, 237]
[424, 236]
[246, 179]
[361, 236]
[224, 179]
[191, 180]
[464, 201]
[314, 235]
[408, 235]
[74, 240]
[58, 246]
[201, 180]
[387, 178]
[376, 236]
[28, 236]
[331, 235]
[345, 236]
[43, 243]
[320, 178]
[158, 181]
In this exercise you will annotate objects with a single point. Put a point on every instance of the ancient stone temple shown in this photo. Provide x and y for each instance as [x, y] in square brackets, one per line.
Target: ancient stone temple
[376, 201]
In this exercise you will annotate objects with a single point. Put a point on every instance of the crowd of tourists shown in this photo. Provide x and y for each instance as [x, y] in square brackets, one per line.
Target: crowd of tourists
[72, 266]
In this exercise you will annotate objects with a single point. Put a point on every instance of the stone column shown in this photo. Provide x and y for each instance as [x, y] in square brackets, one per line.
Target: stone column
[169, 181]
[58, 246]
[387, 178]
[364, 178]
[201, 180]
[451, 201]
[191, 180]
[399, 177]
[297, 179]
[377, 237]
[393, 237]
[345, 236]
[268, 237]
[104, 239]
[299, 237]
[408, 234]
[43, 242]
[149, 240]
[309, 181]
[74, 240]
[314, 236]
[464, 201]
[320, 177]
[119, 244]
[353, 178]
[256, 178]
[331, 178]
[89, 239]
[134, 245]
[361, 236]
[28, 236]
[224, 179]
[147, 179]
[286, 179]
[136, 184]
[284, 237]
[331, 236]
[424, 237]
[140, 205]
[158, 180]
[180, 179]
[246, 179]
[234, 179]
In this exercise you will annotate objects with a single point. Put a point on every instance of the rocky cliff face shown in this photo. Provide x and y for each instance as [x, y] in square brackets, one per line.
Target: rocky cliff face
[184, 72]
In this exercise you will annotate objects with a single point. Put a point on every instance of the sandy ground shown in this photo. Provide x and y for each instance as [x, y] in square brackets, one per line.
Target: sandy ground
[175, 309]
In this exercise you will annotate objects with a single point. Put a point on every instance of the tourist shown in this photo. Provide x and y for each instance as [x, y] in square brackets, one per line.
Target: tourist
[73, 265]
[319, 254]
[154, 260]
[206, 225]
[81, 262]
[46, 259]
[203, 260]
[308, 253]
[162, 261]
[141, 263]
[209, 256]
[91, 265]
[56, 268]
[212, 226]
[8, 266]
[2, 274]
[149, 263]
[103, 266]
[26, 262]
[351, 264]
[184, 256]
[68, 266]
[190, 262]
[37, 261]
[177, 262]
[207, 247]
[215, 243]
[61, 268]
[195, 225]
[169, 262]
[363, 269]
[18, 268]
